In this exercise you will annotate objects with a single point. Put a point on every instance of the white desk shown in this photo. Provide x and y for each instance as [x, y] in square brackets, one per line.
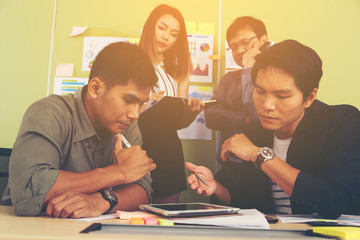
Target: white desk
[14, 227]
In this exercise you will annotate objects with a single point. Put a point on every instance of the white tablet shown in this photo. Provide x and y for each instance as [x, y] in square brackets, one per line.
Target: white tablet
[188, 209]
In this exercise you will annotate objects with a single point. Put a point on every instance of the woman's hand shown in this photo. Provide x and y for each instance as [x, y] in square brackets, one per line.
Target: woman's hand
[154, 97]
[194, 105]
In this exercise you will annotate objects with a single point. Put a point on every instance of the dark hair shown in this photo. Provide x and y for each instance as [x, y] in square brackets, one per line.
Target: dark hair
[300, 61]
[119, 62]
[177, 59]
[257, 26]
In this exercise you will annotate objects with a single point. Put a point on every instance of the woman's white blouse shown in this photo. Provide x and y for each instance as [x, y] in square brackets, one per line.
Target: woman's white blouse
[165, 83]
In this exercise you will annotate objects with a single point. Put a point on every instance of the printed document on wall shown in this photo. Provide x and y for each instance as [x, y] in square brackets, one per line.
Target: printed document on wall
[197, 129]
[93, 45]
[201, 48]
[66, 85]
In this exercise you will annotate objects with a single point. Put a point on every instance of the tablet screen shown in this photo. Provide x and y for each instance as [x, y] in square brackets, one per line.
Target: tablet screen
[187, 206]
[188, 209]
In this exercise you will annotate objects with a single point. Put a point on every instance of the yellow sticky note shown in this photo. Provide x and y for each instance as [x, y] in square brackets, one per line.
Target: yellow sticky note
[190, 27]
[206, 28]
[215, 57]
[342, 232]
[204, 88]
[165, 222]
[134, 40]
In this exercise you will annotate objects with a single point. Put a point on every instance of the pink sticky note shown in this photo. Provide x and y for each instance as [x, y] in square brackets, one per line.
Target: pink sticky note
[64, 70]
[138, 214]
[150, 221]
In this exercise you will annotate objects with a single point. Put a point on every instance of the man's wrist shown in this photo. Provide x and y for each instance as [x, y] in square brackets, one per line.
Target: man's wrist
[265, 154]
[110, 197]
[255, 154]
[103, 204]
[216, 190]
[115, 177]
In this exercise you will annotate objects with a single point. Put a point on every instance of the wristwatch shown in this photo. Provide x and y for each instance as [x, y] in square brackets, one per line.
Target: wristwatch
[264, 154]
[109, 196]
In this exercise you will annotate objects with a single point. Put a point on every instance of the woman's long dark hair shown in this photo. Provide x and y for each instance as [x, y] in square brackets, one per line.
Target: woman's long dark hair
[177, 59]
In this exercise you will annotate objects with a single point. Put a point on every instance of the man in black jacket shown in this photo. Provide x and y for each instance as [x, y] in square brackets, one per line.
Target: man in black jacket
[303, 156]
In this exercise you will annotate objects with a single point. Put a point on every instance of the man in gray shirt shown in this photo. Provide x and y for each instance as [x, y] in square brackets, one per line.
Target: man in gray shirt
[68, 159]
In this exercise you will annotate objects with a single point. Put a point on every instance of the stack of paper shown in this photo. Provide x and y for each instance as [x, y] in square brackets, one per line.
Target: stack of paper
[351, 220]
[250, 218]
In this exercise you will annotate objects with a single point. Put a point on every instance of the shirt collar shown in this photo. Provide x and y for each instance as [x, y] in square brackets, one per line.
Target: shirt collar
[84, 128]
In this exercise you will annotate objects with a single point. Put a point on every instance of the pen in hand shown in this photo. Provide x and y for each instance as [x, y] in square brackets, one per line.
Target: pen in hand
[125, 141]
[201, 179]
[127, 144]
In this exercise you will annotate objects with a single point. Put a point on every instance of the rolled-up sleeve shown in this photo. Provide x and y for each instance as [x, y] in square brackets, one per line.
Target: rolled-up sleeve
[145, 182]
[35, 160]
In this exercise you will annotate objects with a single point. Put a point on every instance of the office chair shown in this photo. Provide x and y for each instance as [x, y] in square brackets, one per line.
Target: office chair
[4, 167]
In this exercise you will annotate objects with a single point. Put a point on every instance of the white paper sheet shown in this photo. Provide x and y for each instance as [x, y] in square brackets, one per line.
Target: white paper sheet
[251, 219]
[297, 218]
[77, 31]
[102, 217]
[343, 219]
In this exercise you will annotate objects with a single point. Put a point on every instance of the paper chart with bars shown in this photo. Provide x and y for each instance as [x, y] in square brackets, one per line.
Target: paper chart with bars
[66, 85]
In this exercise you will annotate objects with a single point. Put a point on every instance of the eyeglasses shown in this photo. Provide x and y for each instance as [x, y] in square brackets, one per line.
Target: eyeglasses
[244, 43]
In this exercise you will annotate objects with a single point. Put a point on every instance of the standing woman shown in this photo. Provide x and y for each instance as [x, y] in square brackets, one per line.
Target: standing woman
[164, 39]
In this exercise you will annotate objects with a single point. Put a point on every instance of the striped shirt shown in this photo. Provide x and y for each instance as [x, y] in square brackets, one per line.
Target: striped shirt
[165, 83]
[281, 199]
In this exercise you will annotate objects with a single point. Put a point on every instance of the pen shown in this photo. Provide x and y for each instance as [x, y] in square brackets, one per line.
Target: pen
[201, 179]
[127, 144]
[125, 141]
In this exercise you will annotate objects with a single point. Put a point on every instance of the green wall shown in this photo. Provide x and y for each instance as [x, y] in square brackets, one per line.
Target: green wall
[330, 27]
[25, 28]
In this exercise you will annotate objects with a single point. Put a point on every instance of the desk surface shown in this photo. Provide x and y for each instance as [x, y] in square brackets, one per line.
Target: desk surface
[14, 227]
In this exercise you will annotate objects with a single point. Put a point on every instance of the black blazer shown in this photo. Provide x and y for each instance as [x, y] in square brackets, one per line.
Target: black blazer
[325, 147]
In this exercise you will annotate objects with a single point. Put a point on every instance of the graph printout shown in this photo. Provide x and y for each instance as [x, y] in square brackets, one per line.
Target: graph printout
[66, 85]
[197, 129]
[93, 45]
[201, 48]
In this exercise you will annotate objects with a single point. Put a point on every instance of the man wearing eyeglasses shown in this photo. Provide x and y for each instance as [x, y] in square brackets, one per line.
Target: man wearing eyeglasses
[245, 36]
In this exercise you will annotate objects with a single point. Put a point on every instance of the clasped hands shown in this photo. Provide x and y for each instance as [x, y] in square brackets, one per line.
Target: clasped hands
[129, 165]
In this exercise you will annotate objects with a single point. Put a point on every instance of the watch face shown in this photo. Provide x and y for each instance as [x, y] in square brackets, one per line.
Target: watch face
[110, 195]
[267, 153]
